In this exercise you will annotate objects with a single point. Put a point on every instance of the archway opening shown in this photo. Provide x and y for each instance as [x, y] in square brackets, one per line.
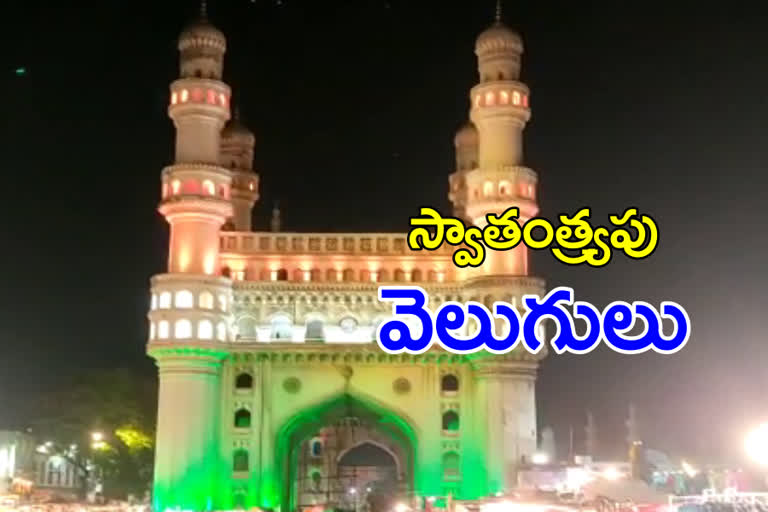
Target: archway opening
[367, 451]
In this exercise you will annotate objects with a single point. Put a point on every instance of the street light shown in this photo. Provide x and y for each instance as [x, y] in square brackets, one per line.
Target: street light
[756, 444]
[97, 436]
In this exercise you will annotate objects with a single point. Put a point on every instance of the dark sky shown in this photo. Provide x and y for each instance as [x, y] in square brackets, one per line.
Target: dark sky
[354, 106]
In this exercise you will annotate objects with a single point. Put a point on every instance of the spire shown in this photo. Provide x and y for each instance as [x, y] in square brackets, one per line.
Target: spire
[275, 223]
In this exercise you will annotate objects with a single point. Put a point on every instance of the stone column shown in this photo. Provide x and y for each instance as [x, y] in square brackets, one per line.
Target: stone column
[187, 455]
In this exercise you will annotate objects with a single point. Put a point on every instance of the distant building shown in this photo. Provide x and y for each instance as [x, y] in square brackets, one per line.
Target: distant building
[27, 471]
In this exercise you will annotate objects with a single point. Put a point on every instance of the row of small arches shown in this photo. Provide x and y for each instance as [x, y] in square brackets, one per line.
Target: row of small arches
[184, 330]
[449, 383]
[502, 188]
[197, 95]
[185, 299]
[490, 98]
[196, 188]
[335, 275]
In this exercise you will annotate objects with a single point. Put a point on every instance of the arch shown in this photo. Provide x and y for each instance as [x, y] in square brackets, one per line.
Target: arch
[246, 328]
[281, 275]
[153, 302]
[165, 300]
[416, 275]
[449, 383]
[315, 275]
[450, 421]
[184, 299]
[282, 328]
[226, 272]
[451, 465]
[242, 418]
[205, 330]
[244, 380]
[209, 188]
[366, 276]
[182, 329]
[315, 330]
[348, 275]
[505, 187]
[488, 188]
[380, 446]
[316, 448]
[331, 275]
[240, 460]
[205, 301]
[432, 276]
[399, 275]
[305, 423]
[163, 330]
[298, 275]
[152, 330]
[383, 276]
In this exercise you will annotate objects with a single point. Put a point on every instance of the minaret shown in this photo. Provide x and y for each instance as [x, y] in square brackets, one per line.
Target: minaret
[190, 303]
[237, 143]
[490, 177]
[499, 111]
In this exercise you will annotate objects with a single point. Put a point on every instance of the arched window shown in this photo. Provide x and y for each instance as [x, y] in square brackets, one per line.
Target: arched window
[298, 275]
[416, 276]
[503, 95]
[449, 384]
[399, 275]
[184, 299]
[244, 381]
[182, 329]
[504, 188]
[349, 275]
[432, 276]
[488, 188]
[331, 275]
[315, 275]
[153, 303]
[317, 480]
[315, 331]
[515, 98]
[152, 330]
[490, 99]
[383, 276]
[243, 418]
[165, 300]
[221, 331]
[162, 330]
[450, 421]
[226, 272]
[316, 448]
[451, 465]
[240, 460]
[206, 300]
[282, 328]
[246, 328]
[205, 330]
[209, 188]
[175, 187]
[282, 275]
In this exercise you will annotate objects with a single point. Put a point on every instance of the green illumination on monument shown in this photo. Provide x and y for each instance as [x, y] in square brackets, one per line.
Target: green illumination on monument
[258, 369]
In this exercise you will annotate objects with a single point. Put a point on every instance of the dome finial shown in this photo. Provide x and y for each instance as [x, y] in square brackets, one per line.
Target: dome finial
[203, 10]
[275, 223]
[498, 11]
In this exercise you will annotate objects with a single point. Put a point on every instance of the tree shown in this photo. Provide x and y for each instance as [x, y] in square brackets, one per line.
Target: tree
[103, 420]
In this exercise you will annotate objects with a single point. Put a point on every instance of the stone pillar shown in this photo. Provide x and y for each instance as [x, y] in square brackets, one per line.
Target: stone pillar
[187, 457]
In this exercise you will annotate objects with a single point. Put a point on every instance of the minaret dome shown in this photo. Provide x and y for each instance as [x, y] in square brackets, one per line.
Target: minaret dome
[498, 50]
[202, 47]
[466, 143]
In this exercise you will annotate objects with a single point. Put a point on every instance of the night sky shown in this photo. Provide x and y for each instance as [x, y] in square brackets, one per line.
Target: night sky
[354, 106]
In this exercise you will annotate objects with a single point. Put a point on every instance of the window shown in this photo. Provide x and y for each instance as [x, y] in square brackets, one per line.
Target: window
[205, 330]
[221, 331]
[206, 300]
[165, 300]
[349, 275]
[315, 275]
[184, 95]
[366, 275]
[240, 460]
[226, 272]
[315, 331]
[416, 276]
[182, 330]
[175, 187]
[487, 188]
[451, 465]
[383, 276]
[153, 303]
[281, 275]
[152, 330]
[316, 448]
[246, 328]
[299, 275]
[450, 421]
[209, 188]
[515, 98]
[490, 99]
[244, 381]
[162, 330]
[184, 299]
[243, 418]
[504, 188]
[449, 384]
[399, 275]
[282, 328]
[503, 96]
[331, 275]
[174, 98]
